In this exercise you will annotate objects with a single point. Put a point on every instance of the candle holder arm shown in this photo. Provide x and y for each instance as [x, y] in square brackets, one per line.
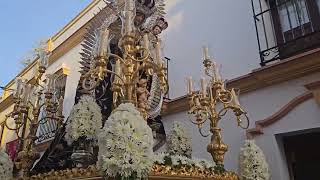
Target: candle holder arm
[201, 133]
[10, 128]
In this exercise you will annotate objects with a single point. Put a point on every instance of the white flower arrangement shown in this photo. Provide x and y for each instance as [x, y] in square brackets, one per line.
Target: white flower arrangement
[125, 144]
[178, 142]
[85, 120]
[178, 160]
[6, 165]
[253, 165]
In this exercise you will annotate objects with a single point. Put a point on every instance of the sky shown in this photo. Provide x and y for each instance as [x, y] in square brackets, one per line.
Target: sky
[24, 23]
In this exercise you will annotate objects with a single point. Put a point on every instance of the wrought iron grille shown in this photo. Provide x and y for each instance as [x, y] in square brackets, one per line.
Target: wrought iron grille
[48, 129]
[286, 27]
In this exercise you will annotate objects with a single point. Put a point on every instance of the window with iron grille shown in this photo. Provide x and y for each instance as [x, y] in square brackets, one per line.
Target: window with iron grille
[47, 129]
[286, 27]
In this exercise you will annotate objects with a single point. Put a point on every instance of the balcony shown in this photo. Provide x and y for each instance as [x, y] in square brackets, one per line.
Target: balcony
[286, 27]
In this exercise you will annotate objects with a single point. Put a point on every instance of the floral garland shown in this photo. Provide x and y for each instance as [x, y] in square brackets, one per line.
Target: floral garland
[6, 165]
[253, 165]
[125, 144]
[178, 141]
[176, 165]
[178, 160]
[85, 120]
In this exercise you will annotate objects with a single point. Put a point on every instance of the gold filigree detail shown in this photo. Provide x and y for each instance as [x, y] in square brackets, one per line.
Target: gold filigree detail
[89, 172]
[191, 171]
[157, 171]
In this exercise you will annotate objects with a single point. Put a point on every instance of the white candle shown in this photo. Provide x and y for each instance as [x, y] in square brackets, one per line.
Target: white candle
[128, 16]
[43, 58]
[104, 35]
[206, 53]
[235, 100]
[197, 101]
[146, 41]
[217, 72]
[117, 70]
[19, 87]
[51, 83]
[129, 5]
[203, 86]
[190, 90]
[158, 52]
[127, 22]
[27, 93]
[223, 86]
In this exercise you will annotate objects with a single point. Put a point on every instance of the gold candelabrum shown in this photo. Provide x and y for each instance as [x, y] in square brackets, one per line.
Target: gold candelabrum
[211, 103]
[127, 84]
[29, 101]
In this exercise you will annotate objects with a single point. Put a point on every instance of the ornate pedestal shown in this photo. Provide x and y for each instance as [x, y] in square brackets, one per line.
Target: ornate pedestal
[163, 173]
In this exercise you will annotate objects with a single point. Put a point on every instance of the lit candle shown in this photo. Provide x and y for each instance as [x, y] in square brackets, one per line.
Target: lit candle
[158, 52]
[203, 86]
[206, 53]
[102, 49]
[235, 100]
[146, 41]
[190, 90]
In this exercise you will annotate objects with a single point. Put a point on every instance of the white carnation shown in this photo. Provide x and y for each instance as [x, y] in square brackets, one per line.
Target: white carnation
[253, 165]
[178, 141]
[125, 144]
[178, 160]
[159, 158]
[6, 166]
[85, 120]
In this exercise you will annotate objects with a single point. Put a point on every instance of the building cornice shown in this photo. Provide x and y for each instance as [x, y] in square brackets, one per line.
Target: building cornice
[75, 20]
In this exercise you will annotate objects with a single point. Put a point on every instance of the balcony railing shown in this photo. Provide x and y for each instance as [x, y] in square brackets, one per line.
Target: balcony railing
[286, 27]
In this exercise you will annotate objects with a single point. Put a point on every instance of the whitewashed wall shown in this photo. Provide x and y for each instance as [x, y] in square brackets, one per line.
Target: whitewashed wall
[259, 104]
[8, 135]
[227, 26]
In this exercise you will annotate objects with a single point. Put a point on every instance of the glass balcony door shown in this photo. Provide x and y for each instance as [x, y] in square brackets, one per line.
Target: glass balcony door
[295, 19]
